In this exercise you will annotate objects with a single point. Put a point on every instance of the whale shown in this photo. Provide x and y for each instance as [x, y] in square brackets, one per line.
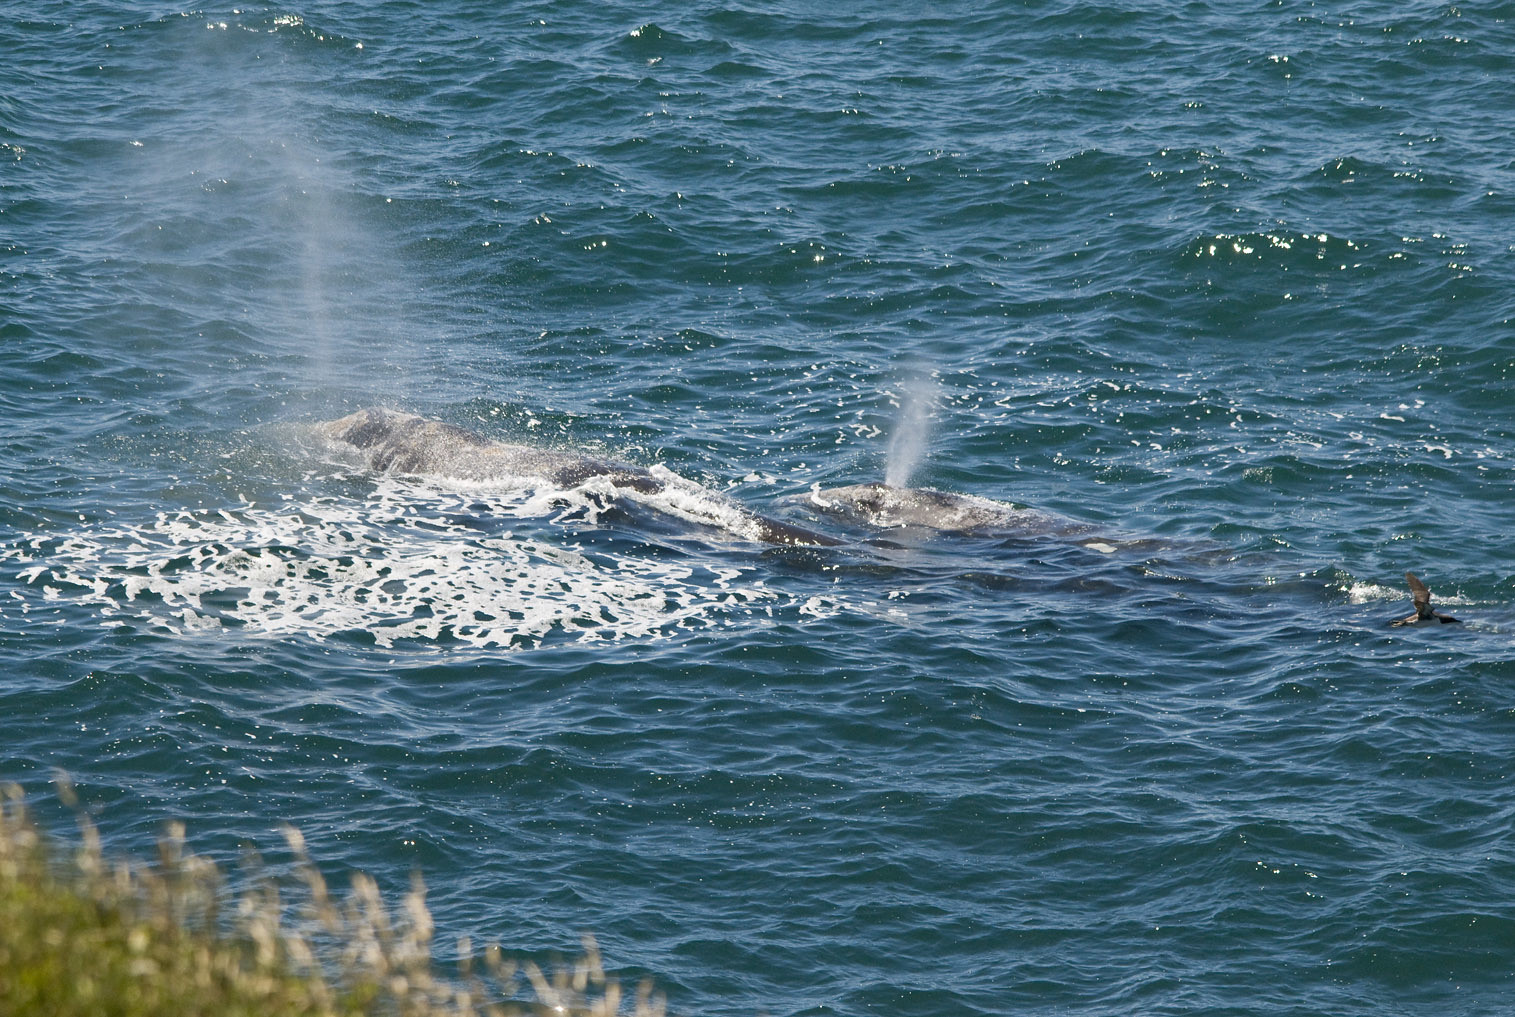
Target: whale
[391, 441]
[394, 442]
[883, 506]
[1423, 611]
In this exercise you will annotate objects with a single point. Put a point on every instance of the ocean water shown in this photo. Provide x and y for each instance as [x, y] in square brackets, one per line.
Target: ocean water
[1228, 285]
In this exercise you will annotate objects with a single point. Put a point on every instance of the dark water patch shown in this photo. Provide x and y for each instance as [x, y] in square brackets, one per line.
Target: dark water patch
[652, 44]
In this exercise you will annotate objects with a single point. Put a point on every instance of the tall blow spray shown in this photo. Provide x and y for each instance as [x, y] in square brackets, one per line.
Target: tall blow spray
[281, 231]
[912, 429]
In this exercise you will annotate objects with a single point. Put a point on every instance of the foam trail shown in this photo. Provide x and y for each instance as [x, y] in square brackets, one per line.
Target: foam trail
[912, 432]
[403, 565]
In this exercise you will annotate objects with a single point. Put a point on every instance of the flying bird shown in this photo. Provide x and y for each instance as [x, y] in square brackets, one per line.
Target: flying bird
[1423, 612]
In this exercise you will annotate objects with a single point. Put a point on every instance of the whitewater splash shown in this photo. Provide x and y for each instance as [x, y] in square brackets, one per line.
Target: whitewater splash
[401, 564]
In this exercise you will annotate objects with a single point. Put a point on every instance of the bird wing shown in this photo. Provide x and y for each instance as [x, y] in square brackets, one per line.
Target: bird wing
[1420, 593]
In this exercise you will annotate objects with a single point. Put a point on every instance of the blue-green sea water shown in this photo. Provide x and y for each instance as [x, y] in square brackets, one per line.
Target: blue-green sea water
[1231, 284]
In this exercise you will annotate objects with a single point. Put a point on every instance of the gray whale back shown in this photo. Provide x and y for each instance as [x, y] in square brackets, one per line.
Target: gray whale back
[882, 505]
[405, 443]
[395, 442]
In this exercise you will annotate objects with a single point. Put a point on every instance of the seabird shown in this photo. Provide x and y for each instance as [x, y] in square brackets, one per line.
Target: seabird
[1423, 610]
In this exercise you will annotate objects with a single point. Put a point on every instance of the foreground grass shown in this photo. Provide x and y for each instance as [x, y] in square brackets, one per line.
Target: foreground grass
[84, 935]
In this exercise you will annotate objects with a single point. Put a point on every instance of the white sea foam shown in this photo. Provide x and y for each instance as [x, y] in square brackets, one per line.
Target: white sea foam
[1360, 592]
[1364, 592]
[401, 563]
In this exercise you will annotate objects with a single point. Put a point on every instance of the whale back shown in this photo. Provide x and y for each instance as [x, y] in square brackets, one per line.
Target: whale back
[397, 442]
[886, 506]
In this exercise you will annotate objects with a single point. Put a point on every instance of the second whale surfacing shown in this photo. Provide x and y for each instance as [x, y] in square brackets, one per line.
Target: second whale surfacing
[885, 506]
[404, 443]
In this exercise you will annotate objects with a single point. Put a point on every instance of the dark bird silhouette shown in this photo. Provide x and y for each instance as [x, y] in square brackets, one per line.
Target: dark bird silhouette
[1423, 612]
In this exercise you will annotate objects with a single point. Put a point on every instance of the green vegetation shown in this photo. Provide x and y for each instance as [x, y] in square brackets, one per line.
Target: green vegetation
[85, 935]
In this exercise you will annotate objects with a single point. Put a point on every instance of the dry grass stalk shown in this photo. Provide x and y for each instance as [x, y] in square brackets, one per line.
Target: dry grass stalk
[126, 940]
